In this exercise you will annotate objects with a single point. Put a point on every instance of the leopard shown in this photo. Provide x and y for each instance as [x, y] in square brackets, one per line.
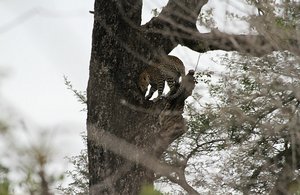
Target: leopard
[169, 69]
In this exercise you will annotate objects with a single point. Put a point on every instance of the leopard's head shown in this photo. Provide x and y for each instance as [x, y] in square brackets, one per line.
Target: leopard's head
[144, 81]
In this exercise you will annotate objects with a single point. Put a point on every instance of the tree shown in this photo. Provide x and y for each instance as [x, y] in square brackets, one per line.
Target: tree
[126, 135]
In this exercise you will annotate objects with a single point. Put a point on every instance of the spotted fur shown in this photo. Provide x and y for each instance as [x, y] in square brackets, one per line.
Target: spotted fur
[169, 69]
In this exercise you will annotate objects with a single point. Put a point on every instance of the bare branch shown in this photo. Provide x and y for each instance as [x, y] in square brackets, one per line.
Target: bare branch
[256, 45]
[178, 12]
[176, 24]
[172, 23]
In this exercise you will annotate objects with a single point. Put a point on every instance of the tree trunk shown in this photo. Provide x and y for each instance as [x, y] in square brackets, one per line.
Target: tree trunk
[115, 104]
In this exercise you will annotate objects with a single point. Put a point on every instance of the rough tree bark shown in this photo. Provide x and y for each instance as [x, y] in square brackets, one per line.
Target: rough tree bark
[121, 48]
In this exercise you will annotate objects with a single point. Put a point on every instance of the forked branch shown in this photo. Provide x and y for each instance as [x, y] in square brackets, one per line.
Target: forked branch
[176, 24]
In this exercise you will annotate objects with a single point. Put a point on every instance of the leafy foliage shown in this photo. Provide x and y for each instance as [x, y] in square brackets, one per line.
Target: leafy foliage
[148, 190]
[79, 175]
[259, 113]
[4, 181]
[248, 138]
[81, 96]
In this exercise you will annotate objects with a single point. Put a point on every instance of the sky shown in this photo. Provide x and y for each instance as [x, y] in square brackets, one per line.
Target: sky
[42, 41]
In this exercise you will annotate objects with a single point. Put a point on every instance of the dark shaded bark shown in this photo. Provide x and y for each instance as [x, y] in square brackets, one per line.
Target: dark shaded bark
[121, 48]
[111, 80]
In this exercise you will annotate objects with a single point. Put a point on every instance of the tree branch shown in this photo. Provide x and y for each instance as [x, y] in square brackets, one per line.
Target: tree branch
[176, 24]
[176, 17]
[177, 12]
[256, 45]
